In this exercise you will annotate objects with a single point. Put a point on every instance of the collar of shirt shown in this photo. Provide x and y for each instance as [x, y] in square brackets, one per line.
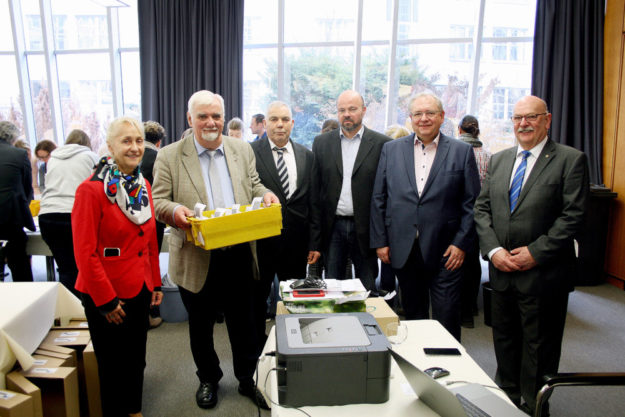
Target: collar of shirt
[200, 149]
[288, 146]
[535, 151]
[358, 135]
[418, 141]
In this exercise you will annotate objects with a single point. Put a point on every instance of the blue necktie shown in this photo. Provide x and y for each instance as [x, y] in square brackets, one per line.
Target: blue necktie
[517, 181]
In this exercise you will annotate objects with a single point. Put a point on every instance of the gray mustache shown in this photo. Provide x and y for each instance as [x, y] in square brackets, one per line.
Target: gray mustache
[526, 129]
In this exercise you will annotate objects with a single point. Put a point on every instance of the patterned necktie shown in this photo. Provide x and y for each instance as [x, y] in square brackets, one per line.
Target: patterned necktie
[283, 174]
[517, 181]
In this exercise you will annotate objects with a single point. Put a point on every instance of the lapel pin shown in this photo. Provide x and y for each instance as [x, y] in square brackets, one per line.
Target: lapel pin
[547, 156]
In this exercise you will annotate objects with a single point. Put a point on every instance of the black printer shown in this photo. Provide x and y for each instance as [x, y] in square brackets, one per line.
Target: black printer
[331, 359]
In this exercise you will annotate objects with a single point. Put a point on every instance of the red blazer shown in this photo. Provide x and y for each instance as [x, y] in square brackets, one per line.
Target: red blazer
[98, 224]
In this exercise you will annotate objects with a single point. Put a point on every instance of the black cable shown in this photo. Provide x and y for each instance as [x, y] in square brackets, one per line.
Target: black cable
[269, 396]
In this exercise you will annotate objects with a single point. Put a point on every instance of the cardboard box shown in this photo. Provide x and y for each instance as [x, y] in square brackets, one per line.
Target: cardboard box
[76, 340]
[236, 228]
[75, 324]
[73, 338]
[377, 307]
[18, 383]
[58, 352]
[92, 381]
[384, 315]
[67, 359]
[14, 404]
[59, 390]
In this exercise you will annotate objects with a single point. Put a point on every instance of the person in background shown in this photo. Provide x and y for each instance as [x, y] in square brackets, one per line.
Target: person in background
[469, 130]
[343, 175]
[257, 126]
[118, 271]
[154, 135]
[22, 144]
[422, 214]
[531, 206]
[329, 124]
[235, 128]
[15, 194]
[43, 149]
[67, 168]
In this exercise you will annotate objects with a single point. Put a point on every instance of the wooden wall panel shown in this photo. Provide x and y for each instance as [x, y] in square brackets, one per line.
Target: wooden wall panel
[614, 136]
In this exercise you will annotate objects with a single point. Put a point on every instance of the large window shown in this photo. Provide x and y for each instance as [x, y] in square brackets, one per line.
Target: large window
[66, 70]
[306, 53]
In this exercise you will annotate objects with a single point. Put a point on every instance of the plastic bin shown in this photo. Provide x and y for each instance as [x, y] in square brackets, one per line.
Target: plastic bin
[171, 308]
[235, 228]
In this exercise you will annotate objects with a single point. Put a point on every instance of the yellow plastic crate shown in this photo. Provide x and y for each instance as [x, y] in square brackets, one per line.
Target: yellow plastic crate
[236, 228]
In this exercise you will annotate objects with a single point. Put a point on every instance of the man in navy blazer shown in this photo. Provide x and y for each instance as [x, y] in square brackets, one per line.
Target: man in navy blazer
[422, 213]
[285, 255]
[531, 206]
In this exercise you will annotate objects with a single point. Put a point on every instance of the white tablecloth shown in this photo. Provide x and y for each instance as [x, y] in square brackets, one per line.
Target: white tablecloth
[27, 311]
[402, 401]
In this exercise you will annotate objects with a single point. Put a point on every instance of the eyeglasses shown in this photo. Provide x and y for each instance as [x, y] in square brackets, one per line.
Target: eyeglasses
[532, 117]
[428, 114]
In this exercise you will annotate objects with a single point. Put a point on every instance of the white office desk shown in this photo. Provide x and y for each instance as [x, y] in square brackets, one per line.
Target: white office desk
[402, 401]
[27, 311]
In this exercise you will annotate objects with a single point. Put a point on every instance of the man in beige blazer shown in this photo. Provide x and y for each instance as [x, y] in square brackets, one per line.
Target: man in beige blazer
[216, 170]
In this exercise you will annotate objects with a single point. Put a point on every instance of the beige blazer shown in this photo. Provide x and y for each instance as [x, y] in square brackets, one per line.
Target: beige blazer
[178, 180]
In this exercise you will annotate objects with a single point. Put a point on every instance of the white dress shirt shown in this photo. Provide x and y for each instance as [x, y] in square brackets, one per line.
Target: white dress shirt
[349, 150]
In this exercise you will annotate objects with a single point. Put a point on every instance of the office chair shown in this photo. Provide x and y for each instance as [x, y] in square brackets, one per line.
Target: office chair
[575, 379]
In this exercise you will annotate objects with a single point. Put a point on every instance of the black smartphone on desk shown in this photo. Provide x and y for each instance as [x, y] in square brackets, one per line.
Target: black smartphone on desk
[441, 351]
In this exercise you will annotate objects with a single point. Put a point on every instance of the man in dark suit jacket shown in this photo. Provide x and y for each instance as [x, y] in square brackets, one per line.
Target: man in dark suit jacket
[530, 208]
[280, 161]
[16, 191]
[346, 160]
[422, 214]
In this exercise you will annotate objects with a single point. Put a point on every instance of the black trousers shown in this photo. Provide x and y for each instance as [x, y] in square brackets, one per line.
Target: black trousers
[228, 288]
[471, 280]
[56, 231]
[276, 256]
[120, 352]
[420, 285]
[527, 333]
[15, 251]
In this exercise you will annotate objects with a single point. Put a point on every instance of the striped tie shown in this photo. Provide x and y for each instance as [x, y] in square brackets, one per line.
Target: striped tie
[517, 181]
[283, 174]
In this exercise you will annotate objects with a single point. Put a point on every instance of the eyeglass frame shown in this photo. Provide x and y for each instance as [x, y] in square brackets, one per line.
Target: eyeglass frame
[428, 114]
[531, 117]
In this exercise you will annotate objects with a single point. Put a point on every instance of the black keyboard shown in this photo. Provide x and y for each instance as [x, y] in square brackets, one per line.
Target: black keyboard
[471, 409]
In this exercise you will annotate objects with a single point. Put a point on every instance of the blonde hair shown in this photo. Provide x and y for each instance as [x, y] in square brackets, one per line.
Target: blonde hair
[396, 131]
[116, 124]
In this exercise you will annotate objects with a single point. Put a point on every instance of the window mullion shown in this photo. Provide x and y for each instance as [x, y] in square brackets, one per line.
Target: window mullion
[475, 73]
[52, 71]
[357, 48]
[19, 45]
[391, 90]
[115, 60]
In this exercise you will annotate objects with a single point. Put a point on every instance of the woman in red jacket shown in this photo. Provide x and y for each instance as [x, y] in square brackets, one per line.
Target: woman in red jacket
[116, 253]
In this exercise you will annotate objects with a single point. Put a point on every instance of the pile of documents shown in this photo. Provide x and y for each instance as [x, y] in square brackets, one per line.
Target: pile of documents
[339, 296]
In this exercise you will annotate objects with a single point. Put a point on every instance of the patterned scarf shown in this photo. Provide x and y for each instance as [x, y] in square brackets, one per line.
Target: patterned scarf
[127, 191]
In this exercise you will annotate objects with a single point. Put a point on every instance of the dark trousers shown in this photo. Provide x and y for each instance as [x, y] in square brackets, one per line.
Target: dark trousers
[281, 257]
[343, 244]
[420, 285]
[56, 231]
[471, 281]
[120, 352]
[15, 251]
[228, 288]
[527, 333]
